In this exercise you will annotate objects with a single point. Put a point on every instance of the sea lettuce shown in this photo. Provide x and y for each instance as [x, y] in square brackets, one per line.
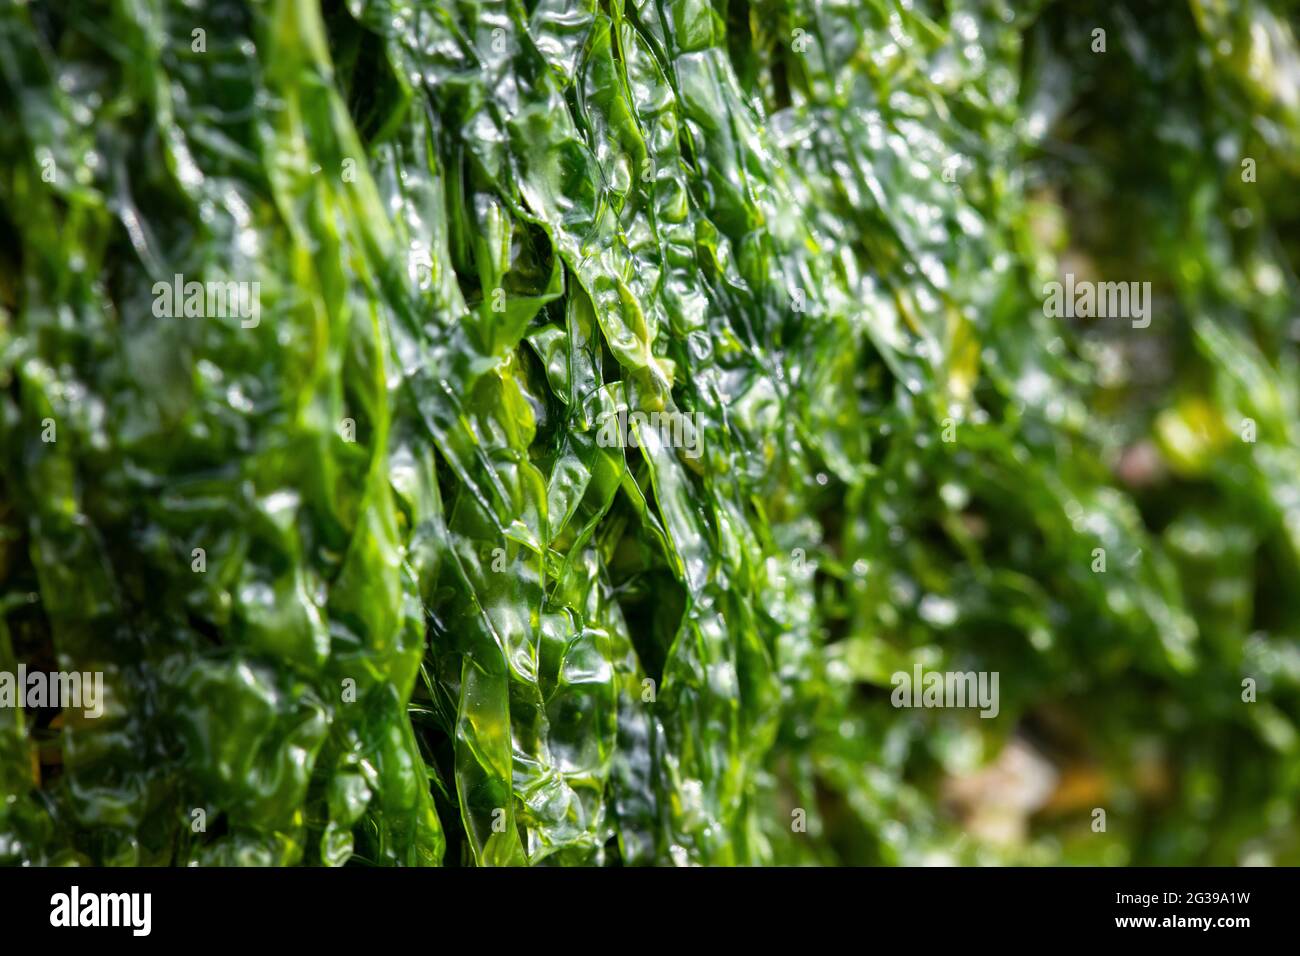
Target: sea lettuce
[366, 583]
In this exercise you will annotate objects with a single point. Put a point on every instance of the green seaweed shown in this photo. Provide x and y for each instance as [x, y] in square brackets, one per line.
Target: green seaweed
[434, 617]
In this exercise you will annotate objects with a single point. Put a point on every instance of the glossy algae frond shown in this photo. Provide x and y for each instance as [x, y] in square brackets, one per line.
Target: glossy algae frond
[363, 579]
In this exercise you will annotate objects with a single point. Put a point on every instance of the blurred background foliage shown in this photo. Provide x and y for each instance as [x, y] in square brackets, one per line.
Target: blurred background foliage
[822, 226]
